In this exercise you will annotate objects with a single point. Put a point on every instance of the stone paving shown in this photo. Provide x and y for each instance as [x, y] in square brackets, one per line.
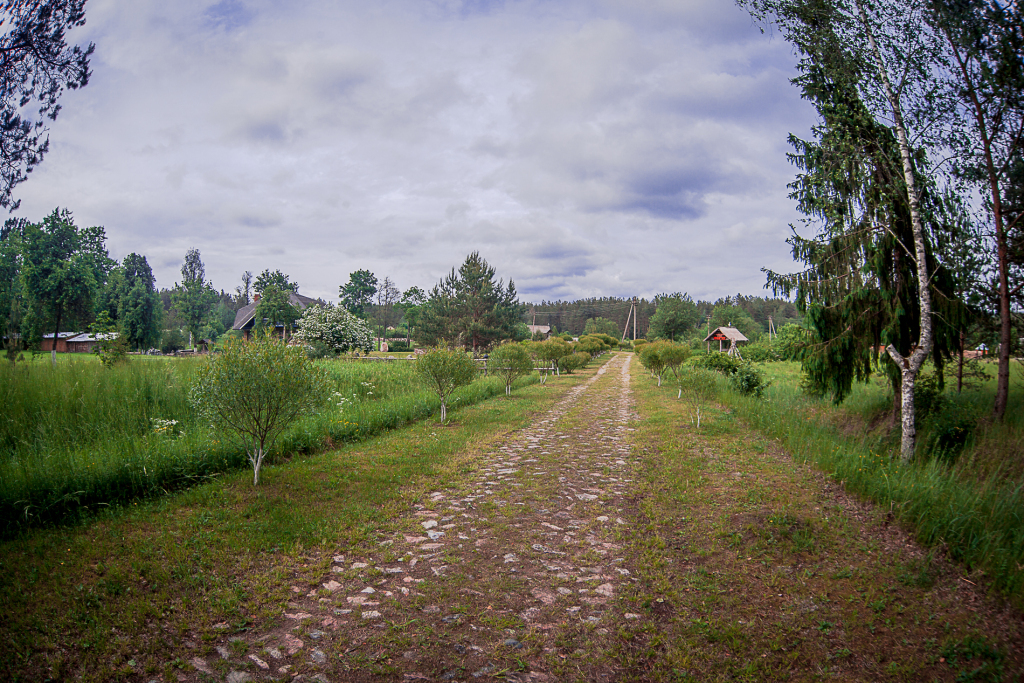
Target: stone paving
[495, 570]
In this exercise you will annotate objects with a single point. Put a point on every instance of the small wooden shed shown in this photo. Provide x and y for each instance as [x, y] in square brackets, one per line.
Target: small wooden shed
[729, 334]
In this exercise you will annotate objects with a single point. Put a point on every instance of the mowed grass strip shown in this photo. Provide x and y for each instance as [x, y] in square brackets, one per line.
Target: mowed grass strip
[136, 592]
[755, 567]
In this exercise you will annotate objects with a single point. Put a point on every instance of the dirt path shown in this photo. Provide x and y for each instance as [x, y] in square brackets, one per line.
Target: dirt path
[481, 581]
[591, 546]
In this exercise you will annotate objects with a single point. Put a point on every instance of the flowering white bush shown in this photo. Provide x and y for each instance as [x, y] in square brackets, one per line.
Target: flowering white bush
[335, 328]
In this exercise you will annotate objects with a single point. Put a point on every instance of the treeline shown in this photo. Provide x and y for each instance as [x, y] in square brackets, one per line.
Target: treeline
[680, 316]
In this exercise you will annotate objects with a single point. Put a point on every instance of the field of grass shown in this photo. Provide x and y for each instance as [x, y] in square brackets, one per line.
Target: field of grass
[971, 507]
[78, 437]
[123, 596]
[756, 567]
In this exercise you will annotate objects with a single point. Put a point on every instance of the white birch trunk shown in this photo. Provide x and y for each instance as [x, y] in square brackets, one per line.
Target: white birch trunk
[910, 366]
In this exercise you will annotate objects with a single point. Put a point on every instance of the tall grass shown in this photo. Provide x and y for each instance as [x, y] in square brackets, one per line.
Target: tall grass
[78, 436]
[979, 519]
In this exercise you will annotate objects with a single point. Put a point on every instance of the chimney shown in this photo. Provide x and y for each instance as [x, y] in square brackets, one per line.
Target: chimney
[256, 298]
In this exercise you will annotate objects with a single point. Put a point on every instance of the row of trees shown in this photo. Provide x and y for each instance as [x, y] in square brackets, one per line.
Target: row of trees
[913, 184]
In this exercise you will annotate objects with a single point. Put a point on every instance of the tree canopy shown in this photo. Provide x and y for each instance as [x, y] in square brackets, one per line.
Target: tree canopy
[358, 292]
[469, 309]
[267, 279]
[36, 67]
[194, 296]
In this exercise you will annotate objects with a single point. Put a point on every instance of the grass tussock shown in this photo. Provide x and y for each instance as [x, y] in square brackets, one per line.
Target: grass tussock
[78, 436]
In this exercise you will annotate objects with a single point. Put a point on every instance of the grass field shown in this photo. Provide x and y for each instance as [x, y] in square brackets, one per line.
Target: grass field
[120, 598]
[79, 437]
[971, 507]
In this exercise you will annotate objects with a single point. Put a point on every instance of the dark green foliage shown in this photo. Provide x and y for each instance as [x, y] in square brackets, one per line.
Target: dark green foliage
[950, 423]
[358, 293]
[133, 303]
[676, 315]
[37, 66]
[275, 279]
[194, 296]
[64, 269]
[469, 309]
[749, 380]
[859, 289]
[276, 310]
[574, 361]
[172, 341]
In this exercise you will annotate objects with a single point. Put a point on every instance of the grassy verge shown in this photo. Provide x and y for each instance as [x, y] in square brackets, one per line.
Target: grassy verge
[978, 520]
[756, 567]
[80, 437]
[123, 597]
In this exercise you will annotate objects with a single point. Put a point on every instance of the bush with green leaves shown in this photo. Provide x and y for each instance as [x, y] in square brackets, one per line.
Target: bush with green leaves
[444, 371]
[717, 361]
[255, 390]
[510, 361]
[697, 386]
[762, 351]
[651, 358]
[749, 380]
[673, 356]
[551, 350]
[950, 427]
[574, 361]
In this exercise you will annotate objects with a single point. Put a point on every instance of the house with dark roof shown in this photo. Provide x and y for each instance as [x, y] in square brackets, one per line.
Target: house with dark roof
[62, 341]
[245, 318]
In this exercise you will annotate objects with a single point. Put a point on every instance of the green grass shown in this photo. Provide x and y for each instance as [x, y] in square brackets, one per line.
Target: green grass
[79, 437]
[974, 509]
[119, 597]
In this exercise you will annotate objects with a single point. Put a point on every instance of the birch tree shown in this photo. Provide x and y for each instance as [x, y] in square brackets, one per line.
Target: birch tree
[888, 52]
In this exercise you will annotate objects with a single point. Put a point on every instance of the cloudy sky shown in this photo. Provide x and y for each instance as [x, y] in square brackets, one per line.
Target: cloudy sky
[585, 148]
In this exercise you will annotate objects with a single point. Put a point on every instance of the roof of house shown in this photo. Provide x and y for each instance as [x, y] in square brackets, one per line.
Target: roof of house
[85, 337]
[62, 335]
[544, 329]
[730, 333]
[245, 314]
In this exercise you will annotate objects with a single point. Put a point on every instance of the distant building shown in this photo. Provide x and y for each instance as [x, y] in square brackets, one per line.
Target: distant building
[726, 334]
[245, 318]
[543, 329]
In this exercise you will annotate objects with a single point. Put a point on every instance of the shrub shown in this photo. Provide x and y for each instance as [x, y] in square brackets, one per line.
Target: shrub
[444, 371]
[574, 361]
[762, 351]
[334, 327]
[256, 390]
[749, 381]
[625, 346]
[398, 346]
[637, 343]
[511, 361]
[717, 361]
[697, 386]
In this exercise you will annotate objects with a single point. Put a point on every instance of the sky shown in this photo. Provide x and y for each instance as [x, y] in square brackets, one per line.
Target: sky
[600, 148]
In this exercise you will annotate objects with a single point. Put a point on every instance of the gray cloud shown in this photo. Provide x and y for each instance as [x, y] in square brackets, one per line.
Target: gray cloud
[586, 149]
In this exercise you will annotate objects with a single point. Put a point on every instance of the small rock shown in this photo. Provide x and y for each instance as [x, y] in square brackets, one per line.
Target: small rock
[605, 589]
[316, 635]
[223, 652]
[431, 609]
[299, 616]
[221, 626]
[292, 644]
[372, 614]
[332, 586]
[369, 590]
[274, 652]
[359, 565]
[200, 664]
[429, 524]
[339, 558]
[513, 643]
[602, 518]
[259, 662]
[510, 557]
[318, 656]
[238, 677]
[630, 615]
[434, 535]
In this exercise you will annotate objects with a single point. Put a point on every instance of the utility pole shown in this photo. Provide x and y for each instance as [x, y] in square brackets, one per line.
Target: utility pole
[634, 318]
